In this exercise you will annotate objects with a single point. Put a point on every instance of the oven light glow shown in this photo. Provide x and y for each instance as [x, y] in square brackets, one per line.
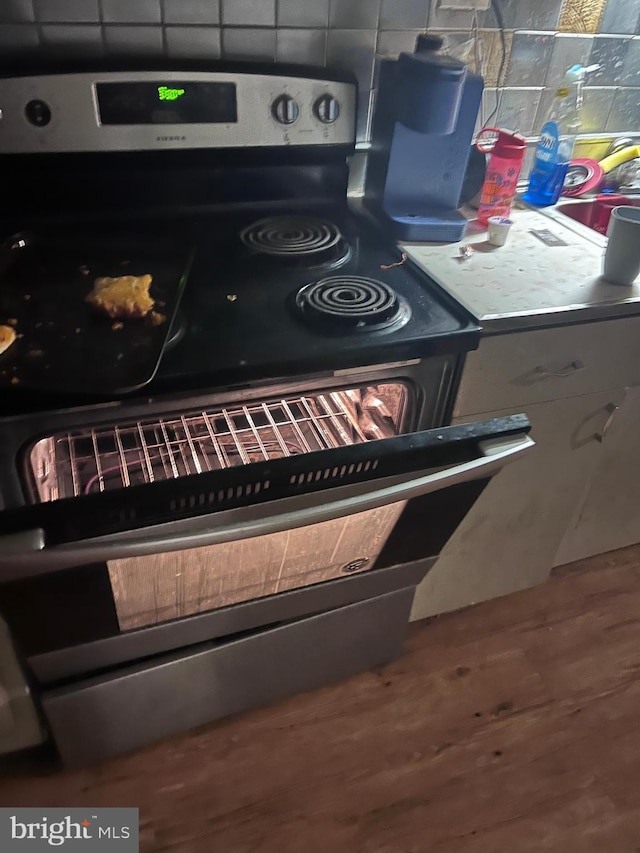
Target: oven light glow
[167, 94]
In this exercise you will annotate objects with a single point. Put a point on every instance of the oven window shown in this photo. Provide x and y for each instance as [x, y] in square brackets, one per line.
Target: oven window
[171, 585]
[84, 461]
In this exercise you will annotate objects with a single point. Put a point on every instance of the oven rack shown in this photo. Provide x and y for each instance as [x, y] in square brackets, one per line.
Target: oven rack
[82, 462]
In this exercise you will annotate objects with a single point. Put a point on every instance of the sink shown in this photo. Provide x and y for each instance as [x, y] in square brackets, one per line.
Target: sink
[595, 212]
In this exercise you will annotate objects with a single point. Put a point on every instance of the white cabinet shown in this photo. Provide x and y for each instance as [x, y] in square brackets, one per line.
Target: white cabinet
[509, 539]
[608, 515]
[522, 368]
[578, 492]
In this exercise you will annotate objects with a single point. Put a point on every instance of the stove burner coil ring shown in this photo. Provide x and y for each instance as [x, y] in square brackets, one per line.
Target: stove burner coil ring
[352, 296]
[353, 302]
[291, 236]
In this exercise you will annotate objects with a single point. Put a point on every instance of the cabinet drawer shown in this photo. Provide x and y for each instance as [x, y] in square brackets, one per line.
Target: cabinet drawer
[103, 716]
[549, 364]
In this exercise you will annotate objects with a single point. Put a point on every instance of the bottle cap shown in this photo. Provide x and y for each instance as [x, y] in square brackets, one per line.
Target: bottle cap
[506, 144]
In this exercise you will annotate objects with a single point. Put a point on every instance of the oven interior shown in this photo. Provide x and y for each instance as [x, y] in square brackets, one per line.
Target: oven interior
[118, 455]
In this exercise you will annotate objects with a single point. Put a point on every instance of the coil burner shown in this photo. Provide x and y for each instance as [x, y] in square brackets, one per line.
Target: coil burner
[300, 240]
[352, 304]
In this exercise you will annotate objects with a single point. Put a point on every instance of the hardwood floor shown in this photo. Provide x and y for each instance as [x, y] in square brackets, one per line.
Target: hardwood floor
[511, 726]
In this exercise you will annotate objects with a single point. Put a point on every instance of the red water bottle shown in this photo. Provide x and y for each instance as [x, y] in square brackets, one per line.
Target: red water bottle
[503, 170]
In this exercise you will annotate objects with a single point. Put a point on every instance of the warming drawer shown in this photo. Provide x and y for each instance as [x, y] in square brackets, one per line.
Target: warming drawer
[139, 704]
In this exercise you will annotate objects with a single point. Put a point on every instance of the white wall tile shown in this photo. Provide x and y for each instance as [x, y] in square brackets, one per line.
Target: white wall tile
[134, 41]
[191, 11]
[307, 47]
[249, 13]
[67, 11]
[131, 11]
[354, 14]
[193, 42]
[248, 43]
[353, 50]
[303, 13]
[79, 39]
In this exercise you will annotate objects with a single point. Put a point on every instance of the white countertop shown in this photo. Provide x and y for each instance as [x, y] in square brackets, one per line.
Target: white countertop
[527, 283]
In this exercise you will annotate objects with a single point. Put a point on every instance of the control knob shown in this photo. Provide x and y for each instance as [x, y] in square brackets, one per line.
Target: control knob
[285, 110]
[327, 109]
[38, 113]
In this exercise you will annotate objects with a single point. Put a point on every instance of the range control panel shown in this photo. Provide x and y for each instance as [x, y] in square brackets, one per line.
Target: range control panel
[144, 110]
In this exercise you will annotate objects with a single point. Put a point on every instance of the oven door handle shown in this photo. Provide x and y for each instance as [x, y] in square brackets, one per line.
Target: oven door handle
[26, 553]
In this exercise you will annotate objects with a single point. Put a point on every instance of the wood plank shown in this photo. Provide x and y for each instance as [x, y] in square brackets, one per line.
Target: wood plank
[512, 725]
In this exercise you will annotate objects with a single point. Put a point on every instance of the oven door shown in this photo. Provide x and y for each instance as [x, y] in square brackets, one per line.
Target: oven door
[222, 556]
[255, 499]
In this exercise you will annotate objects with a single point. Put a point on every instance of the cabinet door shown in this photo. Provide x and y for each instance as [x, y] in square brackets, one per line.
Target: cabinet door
[608, 516]
[509, 539]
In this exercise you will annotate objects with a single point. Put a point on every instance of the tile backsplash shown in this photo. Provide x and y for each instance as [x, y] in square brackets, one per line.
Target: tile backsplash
[543, 38]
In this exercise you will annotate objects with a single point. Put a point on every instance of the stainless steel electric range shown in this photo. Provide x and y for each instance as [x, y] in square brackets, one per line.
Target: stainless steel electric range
[233, 497]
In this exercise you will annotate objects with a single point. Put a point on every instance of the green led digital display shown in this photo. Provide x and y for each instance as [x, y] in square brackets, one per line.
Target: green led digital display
[167, 94]
[179, 101]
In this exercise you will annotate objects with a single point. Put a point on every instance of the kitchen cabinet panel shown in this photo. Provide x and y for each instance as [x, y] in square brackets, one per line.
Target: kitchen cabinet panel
[608, 515]
[509, 539]
[547, 364]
